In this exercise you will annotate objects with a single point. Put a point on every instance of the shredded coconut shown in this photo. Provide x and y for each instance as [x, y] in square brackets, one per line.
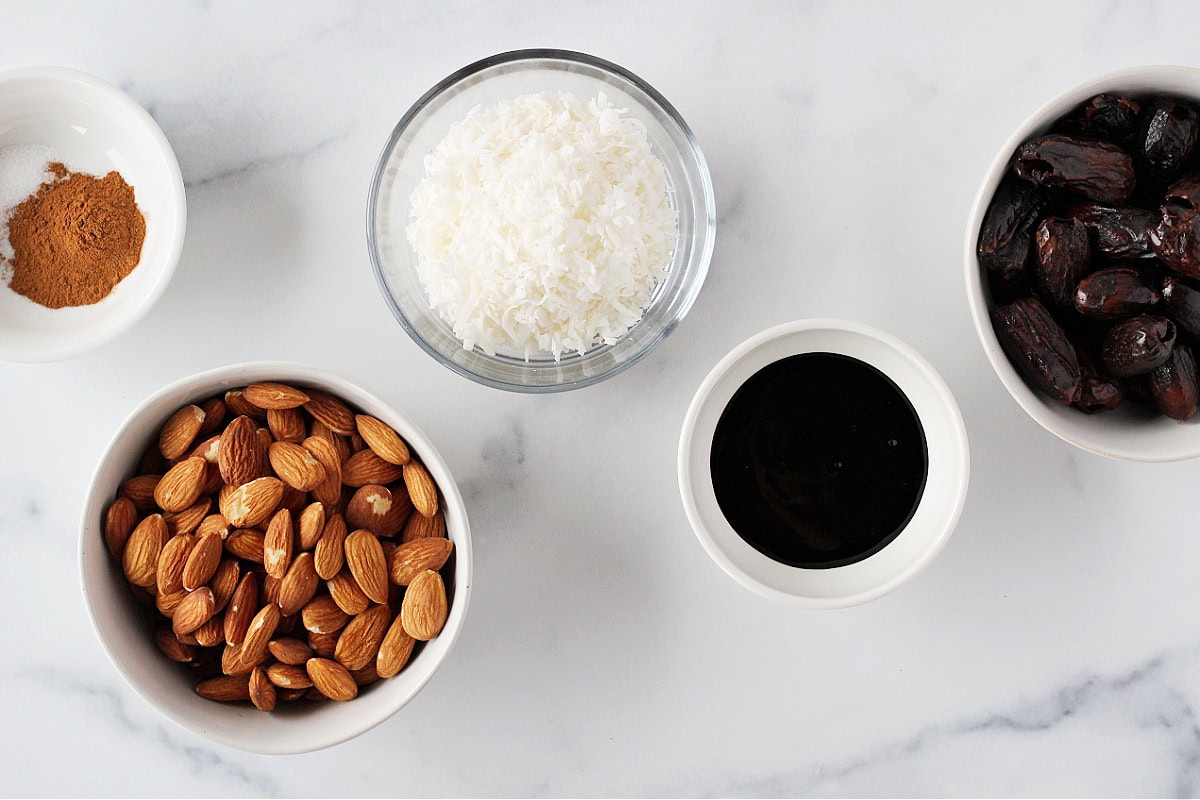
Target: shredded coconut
[542, 224]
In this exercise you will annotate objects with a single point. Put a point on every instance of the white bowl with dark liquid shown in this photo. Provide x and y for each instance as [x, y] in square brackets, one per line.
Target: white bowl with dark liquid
[836, 524]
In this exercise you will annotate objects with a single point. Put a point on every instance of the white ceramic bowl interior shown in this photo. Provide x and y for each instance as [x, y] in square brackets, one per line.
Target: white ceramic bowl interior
[92, 127]
[118, 620]
[1124, 433]
[937, 510]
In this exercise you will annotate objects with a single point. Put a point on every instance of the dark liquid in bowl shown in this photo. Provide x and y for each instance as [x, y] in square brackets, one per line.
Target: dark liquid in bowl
[819, 460]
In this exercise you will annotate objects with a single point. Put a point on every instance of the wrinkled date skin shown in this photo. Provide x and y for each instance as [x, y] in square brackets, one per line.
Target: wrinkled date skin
[1118, 232]
[1105, 116]
[1137, 345]
[1007, 230]
[1114, 293]
[1098, 394]
[1097, 170]
[1183, 304]
[1039, 348]
[1176, 239]
[1185, 191]
[1171, 133]
[1063, 256]
[1174, 386]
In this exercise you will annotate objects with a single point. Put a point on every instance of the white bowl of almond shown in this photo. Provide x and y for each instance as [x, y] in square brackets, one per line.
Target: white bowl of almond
[274, 557]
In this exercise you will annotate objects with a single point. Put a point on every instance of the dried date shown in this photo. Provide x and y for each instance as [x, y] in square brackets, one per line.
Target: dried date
[1171, 132]
[1173, 384]
[1007, 230]
[1176, 239]
[1118, 232]
[1097, 170]
[1114, 293]
[1137, 345]
[1185, 191]
[1106, 116]
[1183, 304]
[1039, 348]
[1063, 256]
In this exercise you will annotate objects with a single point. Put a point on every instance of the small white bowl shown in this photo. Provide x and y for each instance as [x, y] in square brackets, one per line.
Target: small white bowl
[118, 619]
[95, 128]
[1123, 433]
[937, 510]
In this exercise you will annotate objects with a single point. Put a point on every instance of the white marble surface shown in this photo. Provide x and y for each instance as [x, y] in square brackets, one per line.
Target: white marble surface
[1053, 647]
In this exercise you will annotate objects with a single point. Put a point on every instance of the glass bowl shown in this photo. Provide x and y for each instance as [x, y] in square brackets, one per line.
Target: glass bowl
[498, 79]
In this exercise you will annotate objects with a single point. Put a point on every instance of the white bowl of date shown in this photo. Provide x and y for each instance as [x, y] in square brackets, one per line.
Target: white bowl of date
[1131, 431]
[125, 625]
[93, 127]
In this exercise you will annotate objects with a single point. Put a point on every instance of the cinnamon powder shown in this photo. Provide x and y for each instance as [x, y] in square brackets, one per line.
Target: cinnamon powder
[75, 238]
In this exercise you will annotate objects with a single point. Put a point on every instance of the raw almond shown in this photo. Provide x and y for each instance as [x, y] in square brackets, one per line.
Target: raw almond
[119, 522]
[259, 634]
[194, 610]
[379, 509]
[237, 404]
[289, 650]
[231, 661]
[333, 413]
[214, 415]
[345, 592]
[424, 609]
[246, 543]
[241, 610]
[293, 499]
[140, 490]
[288, 695]
[359, 642]
[312, 525]
[171, 563]
[272, 394]
[329, 491]
[421, 488]
[270, 588]
[323, 644]
[209, 450]
[365, 676]
[189, 519]
[140, 559]
[394, 650]
[251, 503]
[202, 561]
[365, 559]
[169, 602]
[323, 615]
[381, 438]
[262, 691]
[214, 523]
[278, 544]
[332, 679]
[225, 688]
[225, 581]
[286, 424]
[238, 454]
[290, 676]
[420, 526]
[412, 558]
[328, 557]
[180, 431]
[211, 633]
[181, 486]
[365, 467]
[298, 585]
[171, 647]
[296, 466]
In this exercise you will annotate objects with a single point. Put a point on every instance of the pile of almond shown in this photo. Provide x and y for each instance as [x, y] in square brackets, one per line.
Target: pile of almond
[293, 547]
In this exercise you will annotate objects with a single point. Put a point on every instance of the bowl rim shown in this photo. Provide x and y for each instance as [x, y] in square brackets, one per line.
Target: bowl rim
[715, 538]
[700, 263]
[1029, 400]
[123, 101]
[91, 547]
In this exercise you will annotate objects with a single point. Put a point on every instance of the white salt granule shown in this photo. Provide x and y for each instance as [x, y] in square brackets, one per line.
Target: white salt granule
[543, 224]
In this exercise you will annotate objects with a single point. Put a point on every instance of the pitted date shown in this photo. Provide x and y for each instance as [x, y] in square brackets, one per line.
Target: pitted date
[1110, 117]
[1063, 256]
[1183, 304]
[1171, 133]
[1007, 230]
[1174, 386]
[1185, 191]
[1176, 239]
[1039, 348]
[1097, 170]
[1097, 394]
[1114, 293]
[1137, 345]
[1118, 232]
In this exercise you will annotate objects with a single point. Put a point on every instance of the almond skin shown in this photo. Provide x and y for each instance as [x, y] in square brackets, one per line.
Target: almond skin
[420, 526]
[286, 424]
[119, 521]
[140, 559]
[225, 581]
[237, 453]
[214, 523]
[323, 644]
[194, 610]
[179, 431]
[290, 651]
[171, 647]
[421, 488]
[329, 491]
[169, 602]
[214, 415]
[251, 503]
[211, 633]
[424, 609]
[295, 466]
[345, 592]
[247, 544]
[171, 562]
[298, 585]
[394, 651]
[365, 467]
[323, 615]
[237, 404]
[364, 557]
[359, 641]
[241, 609]
[311, 526]
[333, 413]
[382, 439]
[329, 554]
[379, 509]
[259, 635]
[225, 688]
[181, 486]
[189, 519]
[262, 691]
[278, 544]
[412, 558]
[140, 490]
[202, 561]
[290, 676]
[272, 394]
[332, 679]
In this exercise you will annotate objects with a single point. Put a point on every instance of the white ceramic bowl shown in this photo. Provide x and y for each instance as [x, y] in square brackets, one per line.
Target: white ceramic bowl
[95, 128]
[937, 510]
[1123, 433]
[118, 620]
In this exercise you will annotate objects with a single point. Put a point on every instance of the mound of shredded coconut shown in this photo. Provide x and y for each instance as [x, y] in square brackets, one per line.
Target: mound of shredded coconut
[542, 224]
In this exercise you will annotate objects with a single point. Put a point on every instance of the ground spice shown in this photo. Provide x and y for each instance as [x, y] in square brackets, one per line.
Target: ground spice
[75, 238]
